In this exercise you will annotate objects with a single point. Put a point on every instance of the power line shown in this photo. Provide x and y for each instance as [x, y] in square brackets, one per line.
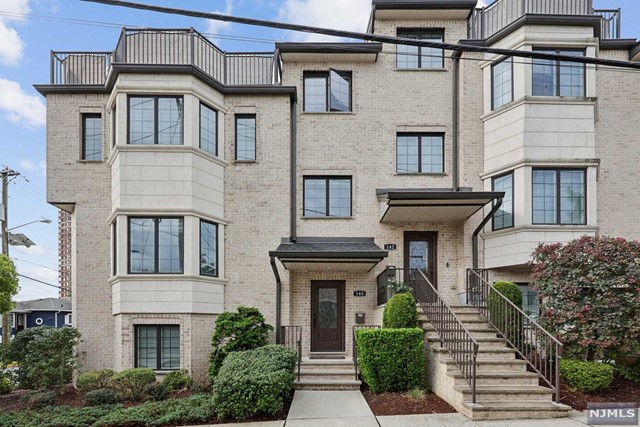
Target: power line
[372, 37]
[39, 281]
[36, 264]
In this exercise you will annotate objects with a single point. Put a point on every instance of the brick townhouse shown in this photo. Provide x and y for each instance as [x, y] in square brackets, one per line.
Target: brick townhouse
[199, 180]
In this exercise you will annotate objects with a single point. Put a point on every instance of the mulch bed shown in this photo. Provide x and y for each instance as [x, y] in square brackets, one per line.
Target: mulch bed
[620, 390]
[403, 404]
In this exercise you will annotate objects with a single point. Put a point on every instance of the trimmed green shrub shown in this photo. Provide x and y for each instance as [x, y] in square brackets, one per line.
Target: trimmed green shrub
[586, 376]
[497, 307]
[55, 416]
[391, 359]
[177, 380]
[94, 380]
[156, 392]
[254, 382]
[400, 312]
[131, 382]
[6, 386]
[41, 399]
[240, 330]
[101, 396]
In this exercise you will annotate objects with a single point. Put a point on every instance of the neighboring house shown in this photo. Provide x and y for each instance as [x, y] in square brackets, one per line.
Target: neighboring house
[40, 312]
[199, 180]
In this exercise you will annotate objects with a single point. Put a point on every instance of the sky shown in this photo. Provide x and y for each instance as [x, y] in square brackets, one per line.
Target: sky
[30, 29]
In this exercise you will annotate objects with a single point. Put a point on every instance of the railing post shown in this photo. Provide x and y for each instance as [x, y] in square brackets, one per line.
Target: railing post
[473, 372]
[192, 36]
[558, 357]
[51, 77]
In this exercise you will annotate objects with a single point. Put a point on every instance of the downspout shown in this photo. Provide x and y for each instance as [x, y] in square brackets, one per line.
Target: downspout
[293, 173]
[474, 239]
[278, 292]
[56, 318]
[455, 174]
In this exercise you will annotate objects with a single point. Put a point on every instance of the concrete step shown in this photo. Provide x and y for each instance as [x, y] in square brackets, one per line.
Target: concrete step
[498, 378]
[483, 342]
[340, 374]
[487, 353]
[464, 309]
[483, 410]
[327, 384]
[507, 393]
[463, 317]
[495, 365]
[325, 365]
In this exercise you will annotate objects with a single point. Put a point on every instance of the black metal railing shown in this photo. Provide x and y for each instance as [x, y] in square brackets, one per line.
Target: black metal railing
[541, 350]
[486, 21]
[291, 336]
[454, 336]
[151, 46]
[384, 291]
[354, 342]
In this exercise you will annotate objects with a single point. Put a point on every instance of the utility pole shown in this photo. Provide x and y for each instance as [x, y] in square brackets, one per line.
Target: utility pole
[6, 173]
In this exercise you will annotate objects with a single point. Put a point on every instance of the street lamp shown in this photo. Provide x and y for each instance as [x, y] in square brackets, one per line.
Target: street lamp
[43, 220]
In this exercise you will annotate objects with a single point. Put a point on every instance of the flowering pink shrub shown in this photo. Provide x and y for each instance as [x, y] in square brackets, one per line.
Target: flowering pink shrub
[590, 290]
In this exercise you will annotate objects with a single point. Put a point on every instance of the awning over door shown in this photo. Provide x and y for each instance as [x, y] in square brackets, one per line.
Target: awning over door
[431, 205]
[329, 253]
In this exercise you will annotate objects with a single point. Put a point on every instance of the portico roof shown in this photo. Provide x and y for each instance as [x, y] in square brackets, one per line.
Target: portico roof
[329, 253]
[408, 205]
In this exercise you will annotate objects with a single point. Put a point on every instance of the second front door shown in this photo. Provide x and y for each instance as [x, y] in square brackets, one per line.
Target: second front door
[327, 316]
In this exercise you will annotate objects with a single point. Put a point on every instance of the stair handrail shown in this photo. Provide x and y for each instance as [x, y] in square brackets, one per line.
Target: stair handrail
[512, 318]
[462, 346]
[293, 341]
[354, 344]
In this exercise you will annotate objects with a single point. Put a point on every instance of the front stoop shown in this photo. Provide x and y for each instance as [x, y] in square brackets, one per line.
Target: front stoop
[504, 389]
[327, 374]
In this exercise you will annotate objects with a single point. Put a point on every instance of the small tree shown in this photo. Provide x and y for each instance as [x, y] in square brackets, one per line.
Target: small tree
[8, 289]
[590, 290]
[240, 330]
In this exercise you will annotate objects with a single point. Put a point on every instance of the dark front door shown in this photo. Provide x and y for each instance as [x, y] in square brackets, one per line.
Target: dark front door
[420, 253]
[327, 315]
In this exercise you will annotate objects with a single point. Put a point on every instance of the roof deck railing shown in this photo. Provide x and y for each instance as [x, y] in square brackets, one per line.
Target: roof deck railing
[487, 21]
[174, 47]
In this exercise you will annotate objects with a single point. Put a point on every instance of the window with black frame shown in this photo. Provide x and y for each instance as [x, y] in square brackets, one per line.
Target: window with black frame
[503, 218]
[156, 245]
[501, 83]
[559, 196]
[157, 347]
[208, 249]
[208, 129]
[92, 137]
[416, 57]
[156, 120]
[558, 78]
[245, 137]
[327, 91]
[327, 197]
[420, 153]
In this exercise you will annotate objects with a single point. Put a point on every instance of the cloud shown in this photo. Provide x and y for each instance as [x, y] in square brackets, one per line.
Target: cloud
[33, 250]
[20, 107]
[219, 27]
[11, 45]
[351, 15]
[483, 3]
[29, 165]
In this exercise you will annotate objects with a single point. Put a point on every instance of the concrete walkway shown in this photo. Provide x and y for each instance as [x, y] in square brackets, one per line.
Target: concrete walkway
[349, 409]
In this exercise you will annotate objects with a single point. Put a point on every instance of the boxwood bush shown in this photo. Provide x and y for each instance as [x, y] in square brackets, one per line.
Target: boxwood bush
[391, 359]
[400, 312]
[254, 382]
[94, 380]
[101, 396]
[586, 376]
[131, 383]
[177, 380]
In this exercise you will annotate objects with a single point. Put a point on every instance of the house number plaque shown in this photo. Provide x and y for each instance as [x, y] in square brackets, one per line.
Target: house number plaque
[390, 247]
[359, 293]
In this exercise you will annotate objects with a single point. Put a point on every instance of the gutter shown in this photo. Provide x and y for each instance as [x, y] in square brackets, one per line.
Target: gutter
[274, 267]
[293, 173]
[474, 239]
[455, 174]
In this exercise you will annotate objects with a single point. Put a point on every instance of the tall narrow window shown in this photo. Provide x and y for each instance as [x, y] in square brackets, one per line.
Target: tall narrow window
[157, 347]
[420, 153]
[559, 196]
[246, 137]
[113, 127]
[558, 78]
[327, 91]
[156, 245]
[327, 196]
[408, 57]
[114, 247]
[502, 83]
[92, 137]
[156, 120]
[208, 249]
[504, 217]
[208, 129]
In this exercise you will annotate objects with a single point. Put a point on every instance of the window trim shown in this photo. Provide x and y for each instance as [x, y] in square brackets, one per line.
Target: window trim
[556, 65]
[113, 126]
[513, 195]
[200, 128]
[558, 210]
[255, 137]
[420, 135]
[155, 116]
[83, 146]
[326, 75]
[493, 87]
[155, 244]
[217, 246]
[158, 367]
[327, 179]
[420, 30]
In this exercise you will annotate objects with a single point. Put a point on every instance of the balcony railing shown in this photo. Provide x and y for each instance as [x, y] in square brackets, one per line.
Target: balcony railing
[487, 21]
[167, 47]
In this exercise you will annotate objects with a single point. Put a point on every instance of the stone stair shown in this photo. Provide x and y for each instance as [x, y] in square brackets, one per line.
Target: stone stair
[327, 374]
[504, 388]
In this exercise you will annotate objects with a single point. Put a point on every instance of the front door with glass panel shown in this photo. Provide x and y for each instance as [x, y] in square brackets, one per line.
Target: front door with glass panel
[420, 253]
[327, 315]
